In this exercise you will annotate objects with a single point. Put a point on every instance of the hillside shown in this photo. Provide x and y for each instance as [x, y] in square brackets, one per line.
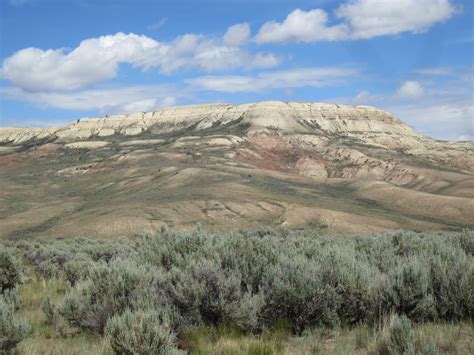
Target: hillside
[336, 168]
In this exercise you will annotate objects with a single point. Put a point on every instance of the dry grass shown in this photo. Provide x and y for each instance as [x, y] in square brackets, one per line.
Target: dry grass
[81, 344]
[456, 338]
[56, 338]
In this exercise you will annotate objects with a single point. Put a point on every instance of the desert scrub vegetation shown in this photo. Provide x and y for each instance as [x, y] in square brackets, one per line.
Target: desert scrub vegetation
[388, 293]
[12, 328]
[10, 269]
[140, 332]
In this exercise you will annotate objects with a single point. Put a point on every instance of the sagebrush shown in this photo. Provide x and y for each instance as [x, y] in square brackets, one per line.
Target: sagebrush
[254, 279]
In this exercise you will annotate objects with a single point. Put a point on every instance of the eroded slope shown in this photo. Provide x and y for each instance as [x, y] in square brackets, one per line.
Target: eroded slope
[337, 168]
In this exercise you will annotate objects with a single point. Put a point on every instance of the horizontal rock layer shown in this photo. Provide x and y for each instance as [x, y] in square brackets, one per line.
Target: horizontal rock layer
[286, 117]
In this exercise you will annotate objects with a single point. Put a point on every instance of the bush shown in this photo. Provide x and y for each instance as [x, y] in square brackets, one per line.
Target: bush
[12, 329]
[77, 269]
[453, 284]
[204, 293]
[9, 269]
[12, 297]
[143, 332]
[412, 290]
[108, 290]
[251, 279]
[47, 269]
[297, 290]
[400, 336]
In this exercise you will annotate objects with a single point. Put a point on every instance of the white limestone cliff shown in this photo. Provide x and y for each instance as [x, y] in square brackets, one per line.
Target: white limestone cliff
[287, 117]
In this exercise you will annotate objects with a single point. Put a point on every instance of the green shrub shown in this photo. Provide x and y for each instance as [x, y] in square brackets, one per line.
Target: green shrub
[466, 240]
[9, 269]
[412, 290]
[12, 329]
[453, 285]
[299, 291]
[77, 269]
[108, 290]
[400, 336]
[356, 282]
[12, 296]
[250, 279]
[143, 332]
[204, 293]
[47, 269]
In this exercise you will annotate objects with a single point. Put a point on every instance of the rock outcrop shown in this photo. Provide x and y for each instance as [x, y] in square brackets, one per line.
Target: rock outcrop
[286, 117]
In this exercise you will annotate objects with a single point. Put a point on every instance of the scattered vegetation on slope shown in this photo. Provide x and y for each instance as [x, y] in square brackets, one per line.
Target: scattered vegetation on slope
[261, 292]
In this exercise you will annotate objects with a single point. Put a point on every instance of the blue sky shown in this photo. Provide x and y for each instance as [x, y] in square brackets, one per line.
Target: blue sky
[66, 59]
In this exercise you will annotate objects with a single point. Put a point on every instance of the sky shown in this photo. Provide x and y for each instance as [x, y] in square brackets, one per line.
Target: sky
[66, 59]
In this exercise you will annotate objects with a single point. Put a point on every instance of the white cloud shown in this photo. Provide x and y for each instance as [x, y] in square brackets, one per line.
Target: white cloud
[107, 100]
[411, 90]
[442, 111]
[98, 59]
[371, 18]
[211, 57]
[451, 119]
[94, 60]
[147, 105]
[237, 35]
[282, 79]
[359, 19]
[301, 26]
[213, 54]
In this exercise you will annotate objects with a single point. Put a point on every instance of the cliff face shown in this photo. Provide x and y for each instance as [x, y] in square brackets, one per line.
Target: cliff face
[286, 117]
[285, 148]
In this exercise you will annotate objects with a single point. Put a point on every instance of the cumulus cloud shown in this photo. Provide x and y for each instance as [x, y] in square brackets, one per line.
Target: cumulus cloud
[301, 26]
[282, 79]
[211, 57]
[411, 90]
[237, 35]
[358, 19]
[94, 60]
[98, 59]
[371, 18]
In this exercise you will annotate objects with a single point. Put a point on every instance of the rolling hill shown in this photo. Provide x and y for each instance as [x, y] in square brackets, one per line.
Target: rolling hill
[336, 168]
